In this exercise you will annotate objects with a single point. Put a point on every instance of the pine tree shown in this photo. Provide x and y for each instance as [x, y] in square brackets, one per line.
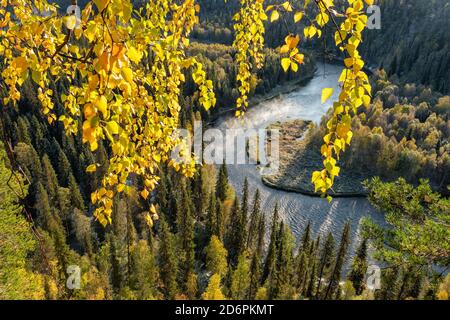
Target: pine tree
[245, 199]
[261, 235]
[53, 225]
[185, 236]
[23, 130]
[198, 194]
[119, 246]
[269, 264]
[211, 219]
[306, 238]
[167, 260]
[222, 183]
[359, 268]
[50, 180]
[255, 275]
[64, 168]
[236, 233]
[254, 218]
[313, 270]
[75, 194]
[240, 279]
[326, 258]
[220, 220]
[282, 284]
[390, 284]
[335, 277]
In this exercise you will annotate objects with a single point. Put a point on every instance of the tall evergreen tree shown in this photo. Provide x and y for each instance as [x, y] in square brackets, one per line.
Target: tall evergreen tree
[236, 233]
[359, 268]
[254, 218]
[211, 219]
[64, 168]
[245, 199]
[75, 194]
[282, 286]
[185, 235]
[306, 238]
[269, 264]
[325, 260]
[222, 183]
[51, 222]
[50, 180]
[240, 279]
[168, 264]
[333, 285]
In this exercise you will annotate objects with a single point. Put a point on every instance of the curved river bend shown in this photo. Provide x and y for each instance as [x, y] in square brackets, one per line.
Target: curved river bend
[297, 209]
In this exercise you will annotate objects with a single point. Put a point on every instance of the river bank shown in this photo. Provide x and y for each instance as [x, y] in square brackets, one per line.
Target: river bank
[299, 157]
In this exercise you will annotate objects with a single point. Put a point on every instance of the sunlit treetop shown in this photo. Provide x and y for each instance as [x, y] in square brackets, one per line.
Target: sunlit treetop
[124, 68]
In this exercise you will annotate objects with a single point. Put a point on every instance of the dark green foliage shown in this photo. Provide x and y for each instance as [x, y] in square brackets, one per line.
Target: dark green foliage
[359, 267]
[335, 276]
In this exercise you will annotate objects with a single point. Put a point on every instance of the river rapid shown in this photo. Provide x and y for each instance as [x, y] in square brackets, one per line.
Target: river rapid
[297, 209]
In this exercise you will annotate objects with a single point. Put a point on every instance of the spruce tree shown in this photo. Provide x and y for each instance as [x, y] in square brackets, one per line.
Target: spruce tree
[23, 130]
[359, 268]
[51, 222]
[167, 260]
[313, 270]
[255, 275]
[236, 233]
[282, 284]
[220, 220]
[75, 194]
[64, 168]
[240, 279]
[222, 183]
[211, 218]
[325, 260]
[269, 264]
[253, 223]
[50, 180]
[198, 194]
[306, 238]
[245, 199]
[333, 285]
[185, 236]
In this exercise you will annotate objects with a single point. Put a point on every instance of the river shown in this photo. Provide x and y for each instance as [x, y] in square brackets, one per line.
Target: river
[297, 209]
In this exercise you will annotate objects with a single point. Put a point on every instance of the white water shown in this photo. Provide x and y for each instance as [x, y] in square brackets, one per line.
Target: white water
[297, 209]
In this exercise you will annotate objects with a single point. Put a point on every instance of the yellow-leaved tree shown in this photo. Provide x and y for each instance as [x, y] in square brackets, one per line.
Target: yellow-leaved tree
[124, 68]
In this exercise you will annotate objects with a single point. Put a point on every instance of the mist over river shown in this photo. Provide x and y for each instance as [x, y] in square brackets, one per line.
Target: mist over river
[297, 209]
